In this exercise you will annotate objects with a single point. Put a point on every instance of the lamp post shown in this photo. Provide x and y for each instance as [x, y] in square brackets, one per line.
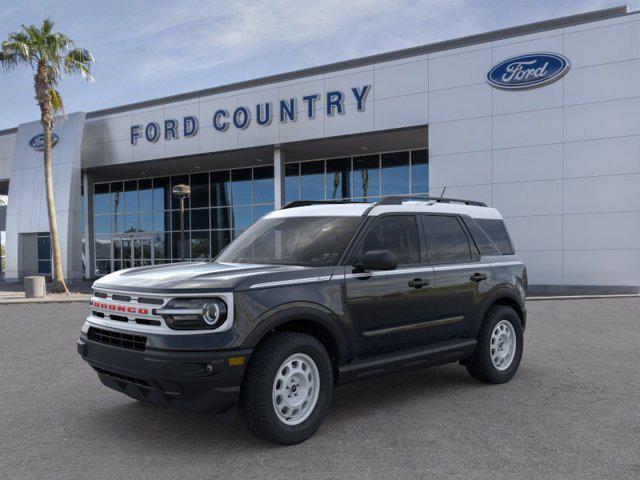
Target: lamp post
[181, 192]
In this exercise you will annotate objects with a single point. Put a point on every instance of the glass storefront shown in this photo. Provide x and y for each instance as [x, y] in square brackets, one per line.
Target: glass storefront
[363, 178]
[137, 222]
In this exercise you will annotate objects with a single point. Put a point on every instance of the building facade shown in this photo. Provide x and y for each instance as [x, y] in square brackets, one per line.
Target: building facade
[540, 121]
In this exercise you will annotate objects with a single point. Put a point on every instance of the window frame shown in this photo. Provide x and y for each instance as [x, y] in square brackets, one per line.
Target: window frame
[474, 254]
[354, 250]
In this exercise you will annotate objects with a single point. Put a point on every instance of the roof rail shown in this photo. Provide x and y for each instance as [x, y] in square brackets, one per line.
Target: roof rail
[306, 203]
[399, 199]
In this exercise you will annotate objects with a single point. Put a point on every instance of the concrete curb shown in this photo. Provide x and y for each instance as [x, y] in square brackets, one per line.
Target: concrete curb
[69, 299]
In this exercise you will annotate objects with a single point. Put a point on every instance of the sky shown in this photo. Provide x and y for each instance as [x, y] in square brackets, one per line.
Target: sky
[149, 49]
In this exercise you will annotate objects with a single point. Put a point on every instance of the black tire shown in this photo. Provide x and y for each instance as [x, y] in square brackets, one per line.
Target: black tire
[481, 367]
[256, 407]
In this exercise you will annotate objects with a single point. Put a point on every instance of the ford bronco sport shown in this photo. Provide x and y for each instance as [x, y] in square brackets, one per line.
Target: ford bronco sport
[312, 296]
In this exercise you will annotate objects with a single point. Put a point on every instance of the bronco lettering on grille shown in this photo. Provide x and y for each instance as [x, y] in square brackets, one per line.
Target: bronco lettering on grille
[119, 308]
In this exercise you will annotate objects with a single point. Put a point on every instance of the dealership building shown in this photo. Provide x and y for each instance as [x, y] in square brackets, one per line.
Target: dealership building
[541, 121]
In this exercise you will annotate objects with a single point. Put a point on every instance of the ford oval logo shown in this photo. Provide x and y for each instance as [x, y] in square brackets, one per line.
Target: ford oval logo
[37, 142]
[528, 71]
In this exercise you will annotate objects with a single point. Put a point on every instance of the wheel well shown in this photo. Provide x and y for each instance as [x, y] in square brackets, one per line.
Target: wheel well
[315, 330]
[509, 302]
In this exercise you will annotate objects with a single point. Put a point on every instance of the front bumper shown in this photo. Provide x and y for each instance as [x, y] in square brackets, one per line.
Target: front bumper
[197, 381]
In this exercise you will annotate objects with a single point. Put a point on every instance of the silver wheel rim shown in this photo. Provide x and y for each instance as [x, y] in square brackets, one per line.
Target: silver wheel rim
[295, 389]
[503, 345]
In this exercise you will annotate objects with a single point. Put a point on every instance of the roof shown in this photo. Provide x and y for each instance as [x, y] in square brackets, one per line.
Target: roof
[357, 209]
[529, 28]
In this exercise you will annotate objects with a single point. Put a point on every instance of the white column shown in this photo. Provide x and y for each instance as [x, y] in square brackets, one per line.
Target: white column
[87, 204]
[278, 177]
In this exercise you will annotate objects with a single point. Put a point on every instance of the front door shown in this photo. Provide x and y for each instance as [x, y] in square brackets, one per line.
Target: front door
[390, 310]
[132, 251]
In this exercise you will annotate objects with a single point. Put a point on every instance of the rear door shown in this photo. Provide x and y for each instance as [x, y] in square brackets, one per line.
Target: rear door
[390, 309]
[461, 278]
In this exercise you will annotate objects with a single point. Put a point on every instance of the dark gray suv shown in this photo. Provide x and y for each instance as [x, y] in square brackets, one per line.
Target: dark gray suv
[313, 296]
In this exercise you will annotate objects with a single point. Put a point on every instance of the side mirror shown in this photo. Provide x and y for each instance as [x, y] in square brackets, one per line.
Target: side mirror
[379, 260]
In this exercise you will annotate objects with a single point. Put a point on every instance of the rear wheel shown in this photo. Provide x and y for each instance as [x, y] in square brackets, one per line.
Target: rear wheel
[287, 387]
[499, 349]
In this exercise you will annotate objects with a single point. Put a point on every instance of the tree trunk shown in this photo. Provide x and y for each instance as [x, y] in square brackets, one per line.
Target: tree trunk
[42, 85]
[59, 285]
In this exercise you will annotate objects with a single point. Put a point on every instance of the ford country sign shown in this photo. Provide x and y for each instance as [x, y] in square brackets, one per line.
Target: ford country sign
[37, 142]
[528, 71]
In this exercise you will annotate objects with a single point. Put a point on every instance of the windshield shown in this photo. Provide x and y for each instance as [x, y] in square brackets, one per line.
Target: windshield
[306, 241]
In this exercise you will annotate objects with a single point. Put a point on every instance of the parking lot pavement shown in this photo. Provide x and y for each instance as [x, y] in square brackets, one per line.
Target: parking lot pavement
[571, 412]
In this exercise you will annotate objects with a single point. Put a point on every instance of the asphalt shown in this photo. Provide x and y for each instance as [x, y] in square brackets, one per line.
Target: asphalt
[570, 412]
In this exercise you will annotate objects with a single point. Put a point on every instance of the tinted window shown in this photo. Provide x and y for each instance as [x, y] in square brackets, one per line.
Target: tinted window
[308, 241]
[498, 233]
[447, 241]
[484, 243]
[398, 234]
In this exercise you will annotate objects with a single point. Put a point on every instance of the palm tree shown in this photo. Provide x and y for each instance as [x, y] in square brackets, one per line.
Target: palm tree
[48, 54]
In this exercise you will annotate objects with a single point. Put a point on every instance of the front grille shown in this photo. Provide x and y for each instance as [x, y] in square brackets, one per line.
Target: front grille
[117, 339]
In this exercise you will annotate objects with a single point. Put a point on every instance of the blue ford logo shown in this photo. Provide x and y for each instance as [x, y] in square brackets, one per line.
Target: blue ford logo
[528, 71]
[37, 142]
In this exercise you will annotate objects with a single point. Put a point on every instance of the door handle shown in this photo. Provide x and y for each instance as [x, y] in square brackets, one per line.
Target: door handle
[478, 277]
[418, 283]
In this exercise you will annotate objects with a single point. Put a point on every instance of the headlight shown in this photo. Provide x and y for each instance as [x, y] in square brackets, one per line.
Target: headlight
[194, 313]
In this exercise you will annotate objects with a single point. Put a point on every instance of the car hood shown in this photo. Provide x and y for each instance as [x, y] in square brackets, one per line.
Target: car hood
[193, 277]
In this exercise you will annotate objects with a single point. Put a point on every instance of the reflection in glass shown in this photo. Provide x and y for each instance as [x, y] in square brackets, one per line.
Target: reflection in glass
[117, 249]
[292, 182]
[177, 180]
[338, 178]
[175, 220]
[102, 246]
[175, 246]
[241, 217]
[145, 195]
[199, 219]
[160, 242]
[219, 240]
[395, 173]
[366, 176]
[200, 190]
[145, 222]
[312, 180]
[131, 222]
[101, 198]
[241, 186]
[220, 189]
[131, 196]
[116, 197]
[102, 224]
[420, 171]
[263, 185]
[220, 218]
[199, 245]
[161, 194]
[260, 210]
[161, 221]
[117, 223]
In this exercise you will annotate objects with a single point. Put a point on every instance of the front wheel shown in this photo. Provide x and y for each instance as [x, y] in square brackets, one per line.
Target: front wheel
[287, 388]
[499, 349]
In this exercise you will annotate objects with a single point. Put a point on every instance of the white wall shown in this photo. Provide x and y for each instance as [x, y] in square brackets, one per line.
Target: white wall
[6, 153]
[562, 162]
[27, 208]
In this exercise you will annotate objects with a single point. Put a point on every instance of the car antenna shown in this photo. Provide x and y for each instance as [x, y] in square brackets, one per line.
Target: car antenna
[442, 194]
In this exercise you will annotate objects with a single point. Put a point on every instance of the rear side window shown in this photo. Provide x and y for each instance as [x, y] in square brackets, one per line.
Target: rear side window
[397, 233]
[497, 233]
[483, 242]
[446, 240]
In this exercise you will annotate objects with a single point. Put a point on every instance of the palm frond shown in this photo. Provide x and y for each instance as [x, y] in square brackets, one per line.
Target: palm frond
[56, 101]
[78, 62]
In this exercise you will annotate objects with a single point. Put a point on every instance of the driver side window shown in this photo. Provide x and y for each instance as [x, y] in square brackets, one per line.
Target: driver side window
[397, 233]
